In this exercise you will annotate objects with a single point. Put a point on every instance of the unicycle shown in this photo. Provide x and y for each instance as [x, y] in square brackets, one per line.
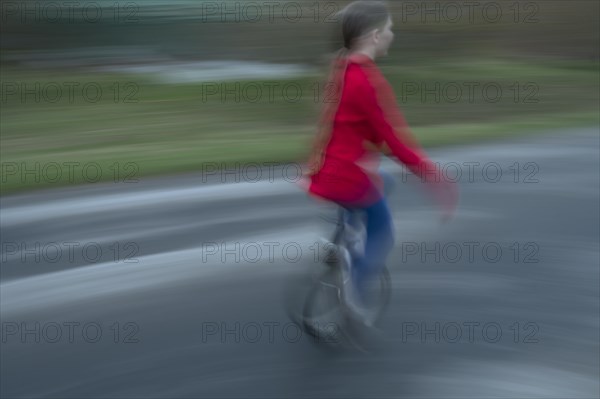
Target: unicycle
[325, 315]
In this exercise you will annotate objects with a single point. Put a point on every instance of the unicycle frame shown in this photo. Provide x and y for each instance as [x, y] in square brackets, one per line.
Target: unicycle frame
[327, 286]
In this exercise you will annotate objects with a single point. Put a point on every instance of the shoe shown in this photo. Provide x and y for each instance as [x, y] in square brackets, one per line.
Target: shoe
[328, 252]
[350, 296]
[355, 240]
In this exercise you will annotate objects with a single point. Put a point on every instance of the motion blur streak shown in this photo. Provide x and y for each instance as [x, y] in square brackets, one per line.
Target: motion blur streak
[153, 226]
[174, 293]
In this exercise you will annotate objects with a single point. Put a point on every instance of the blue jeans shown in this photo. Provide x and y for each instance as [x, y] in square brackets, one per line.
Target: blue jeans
[379, 237]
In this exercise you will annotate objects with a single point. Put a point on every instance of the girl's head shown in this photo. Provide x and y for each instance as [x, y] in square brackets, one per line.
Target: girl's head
[366, 27]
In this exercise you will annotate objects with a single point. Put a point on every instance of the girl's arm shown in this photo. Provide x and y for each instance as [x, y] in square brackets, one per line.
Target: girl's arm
[389, 126]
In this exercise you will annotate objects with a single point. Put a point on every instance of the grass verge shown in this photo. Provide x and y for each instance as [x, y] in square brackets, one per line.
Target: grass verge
[138, 128]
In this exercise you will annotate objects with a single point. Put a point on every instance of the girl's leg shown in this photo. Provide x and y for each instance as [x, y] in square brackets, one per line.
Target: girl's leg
[379, 242]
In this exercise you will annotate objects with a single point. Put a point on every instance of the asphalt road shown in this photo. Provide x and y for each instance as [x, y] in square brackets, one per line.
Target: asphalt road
[174, 286]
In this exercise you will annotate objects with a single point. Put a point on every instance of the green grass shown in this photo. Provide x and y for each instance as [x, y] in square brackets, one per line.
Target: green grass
[171, 128]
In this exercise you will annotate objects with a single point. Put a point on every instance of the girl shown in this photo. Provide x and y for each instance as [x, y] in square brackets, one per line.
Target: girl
[361, 121]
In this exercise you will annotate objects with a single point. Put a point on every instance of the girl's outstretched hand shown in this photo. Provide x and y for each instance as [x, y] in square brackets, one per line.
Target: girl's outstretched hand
[446, 195]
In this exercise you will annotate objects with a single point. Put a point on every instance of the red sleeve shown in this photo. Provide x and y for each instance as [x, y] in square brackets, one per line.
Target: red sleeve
[389, 124]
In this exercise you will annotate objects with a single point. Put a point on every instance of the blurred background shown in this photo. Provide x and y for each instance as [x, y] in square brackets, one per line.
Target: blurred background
[169, 85]
[175, 285]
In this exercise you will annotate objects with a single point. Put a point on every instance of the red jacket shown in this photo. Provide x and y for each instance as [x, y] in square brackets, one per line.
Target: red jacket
[366, 118]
